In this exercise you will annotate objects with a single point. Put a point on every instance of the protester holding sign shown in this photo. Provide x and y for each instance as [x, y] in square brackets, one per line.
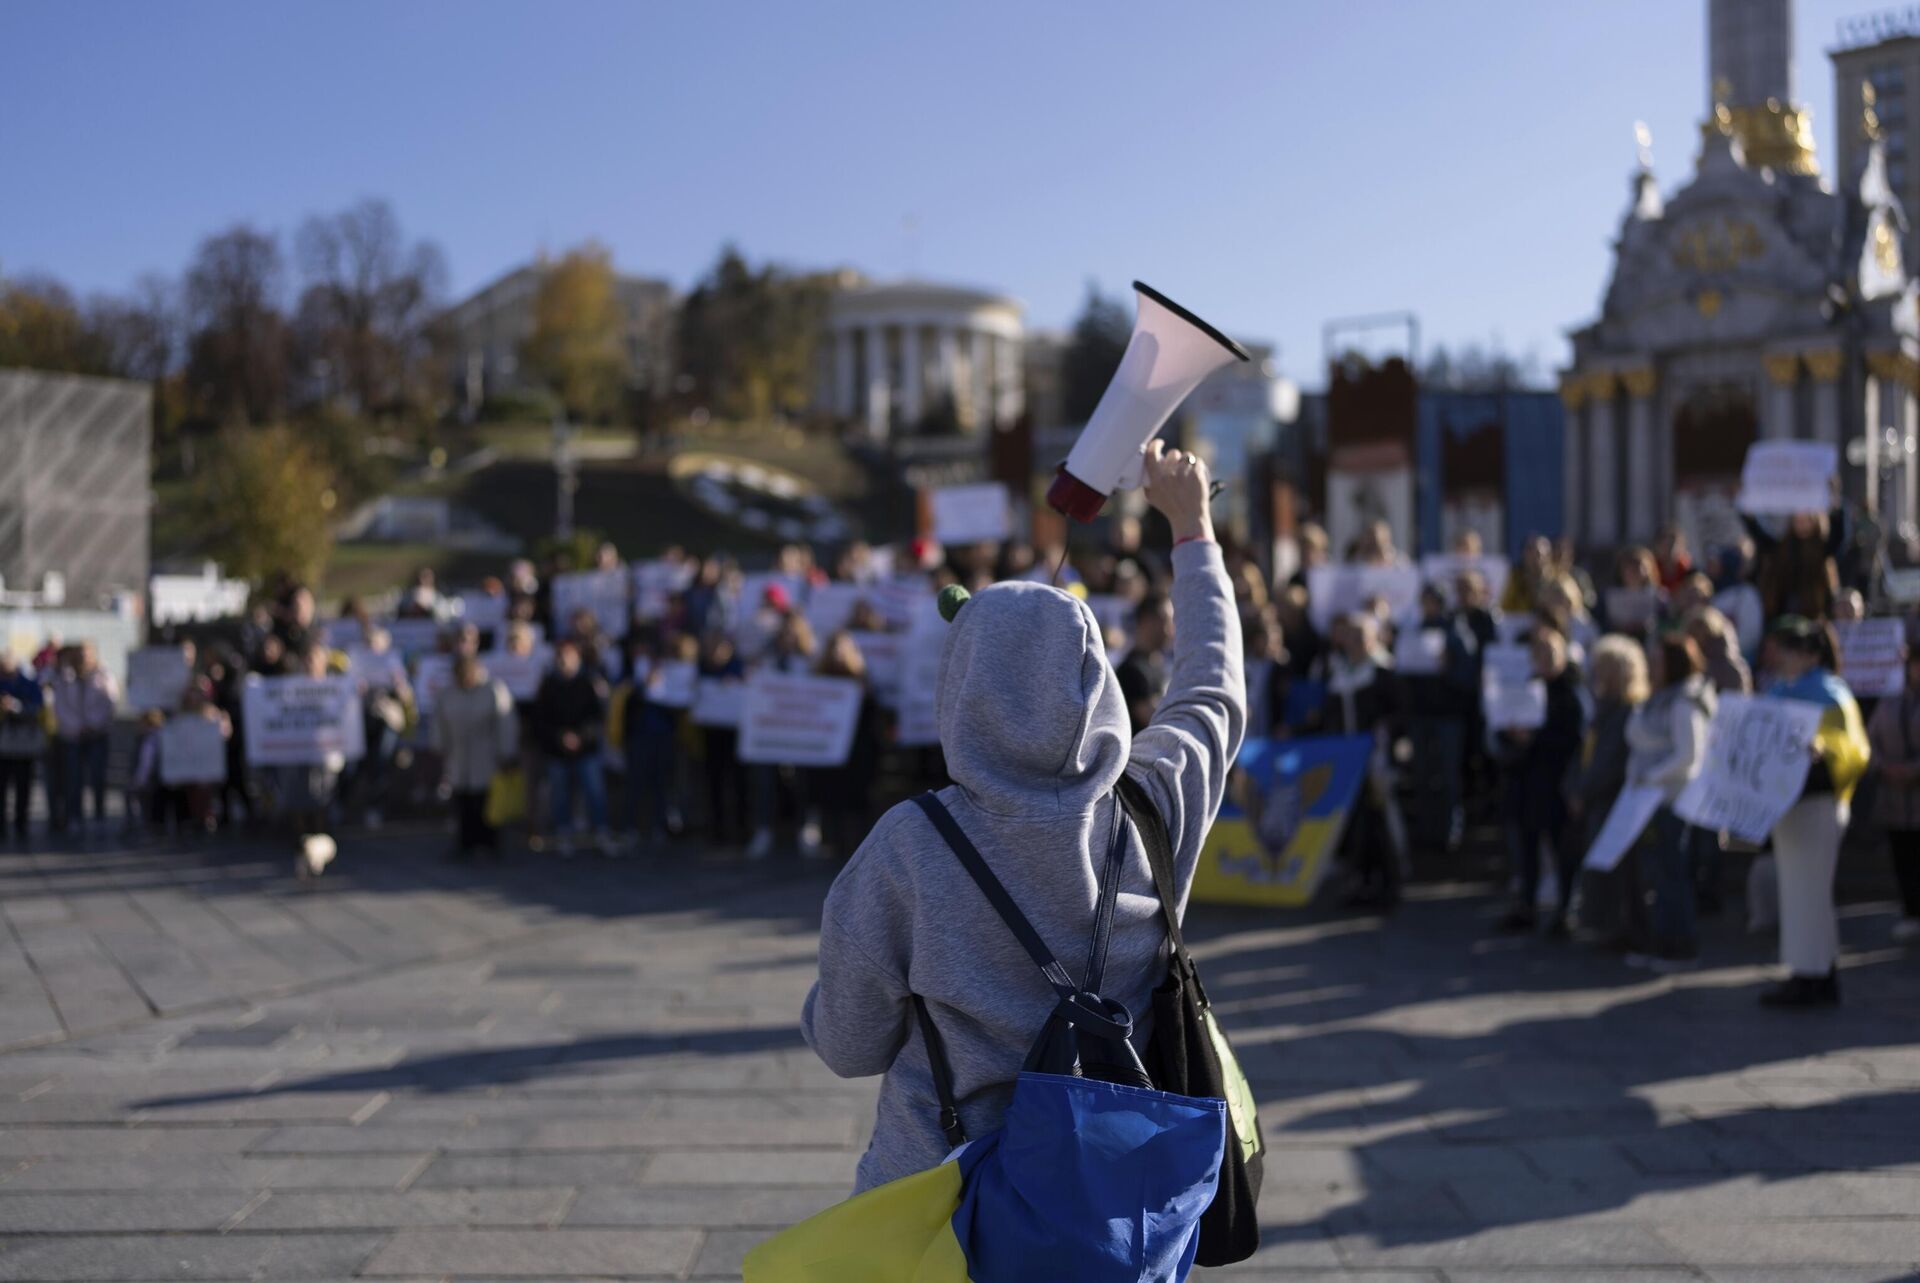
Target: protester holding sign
[569, 717]
[1893, 733]
[1537, 759]
[1667, 743]
[1796, 572]
[477, 733]
[726, 789]
[1806, 842]
[841, 796]
[1364, 698]
[1610, 902]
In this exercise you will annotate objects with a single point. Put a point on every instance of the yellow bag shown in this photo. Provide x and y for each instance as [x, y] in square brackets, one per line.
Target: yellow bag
[617, 716]
[507, 797]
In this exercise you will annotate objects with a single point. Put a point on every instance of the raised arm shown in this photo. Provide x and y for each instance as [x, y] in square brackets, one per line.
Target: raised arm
[1184, 754]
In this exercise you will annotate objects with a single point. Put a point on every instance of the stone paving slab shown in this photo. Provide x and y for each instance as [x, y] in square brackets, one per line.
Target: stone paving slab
[592, 1071]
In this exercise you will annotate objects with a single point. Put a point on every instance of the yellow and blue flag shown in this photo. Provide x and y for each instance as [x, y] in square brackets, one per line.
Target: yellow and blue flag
[1286, 809]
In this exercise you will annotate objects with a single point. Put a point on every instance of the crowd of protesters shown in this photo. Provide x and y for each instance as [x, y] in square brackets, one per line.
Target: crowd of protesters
[1630, 666]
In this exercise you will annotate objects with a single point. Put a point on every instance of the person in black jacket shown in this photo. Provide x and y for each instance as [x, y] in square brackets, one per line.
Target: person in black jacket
[1440, 682]
[1537, 761]
[569, 720]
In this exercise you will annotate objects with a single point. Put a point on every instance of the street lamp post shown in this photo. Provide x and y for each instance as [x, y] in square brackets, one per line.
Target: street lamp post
[566, 475]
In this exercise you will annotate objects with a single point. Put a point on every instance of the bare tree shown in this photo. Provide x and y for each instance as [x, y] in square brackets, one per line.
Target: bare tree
[237, 345]
[139, 330]
[367, 299]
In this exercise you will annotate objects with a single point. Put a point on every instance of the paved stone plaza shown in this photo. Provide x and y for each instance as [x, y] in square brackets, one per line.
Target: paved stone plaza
[591, 1070]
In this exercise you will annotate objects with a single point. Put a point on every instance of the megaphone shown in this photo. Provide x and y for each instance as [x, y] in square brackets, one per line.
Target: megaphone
[1170, 352]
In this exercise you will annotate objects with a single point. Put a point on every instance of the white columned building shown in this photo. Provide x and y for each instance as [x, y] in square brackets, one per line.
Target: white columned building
[914, 357]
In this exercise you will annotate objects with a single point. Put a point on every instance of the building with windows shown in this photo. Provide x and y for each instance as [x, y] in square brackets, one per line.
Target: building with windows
[916, 358]
[1877, 64]
[483, 334]
[1757, 301]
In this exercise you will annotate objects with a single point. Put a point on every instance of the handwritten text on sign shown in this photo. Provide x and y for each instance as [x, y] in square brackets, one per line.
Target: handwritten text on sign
[1757, 760]
[1871, 650]
[192, 751]
[799, 720]
[1782, 477]
[303, 721]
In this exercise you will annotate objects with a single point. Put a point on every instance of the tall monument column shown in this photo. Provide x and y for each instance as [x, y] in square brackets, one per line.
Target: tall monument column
[1750, 72]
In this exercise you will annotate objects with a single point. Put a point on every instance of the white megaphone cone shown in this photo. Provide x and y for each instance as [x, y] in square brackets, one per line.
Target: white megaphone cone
[1171, 351]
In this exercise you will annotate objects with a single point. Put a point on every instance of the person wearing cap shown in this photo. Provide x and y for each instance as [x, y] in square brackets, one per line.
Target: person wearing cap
[1806, 841]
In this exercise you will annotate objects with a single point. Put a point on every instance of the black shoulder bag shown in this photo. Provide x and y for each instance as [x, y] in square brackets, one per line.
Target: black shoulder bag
[1189, 1054]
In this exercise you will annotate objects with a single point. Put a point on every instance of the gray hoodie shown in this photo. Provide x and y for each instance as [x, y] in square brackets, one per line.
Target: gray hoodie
[1036, 733]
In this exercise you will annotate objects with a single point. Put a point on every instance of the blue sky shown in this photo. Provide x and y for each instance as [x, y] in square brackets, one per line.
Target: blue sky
[1271, 165]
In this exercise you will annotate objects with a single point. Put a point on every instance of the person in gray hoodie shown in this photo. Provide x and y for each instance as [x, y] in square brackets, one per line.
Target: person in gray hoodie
[1036, 735]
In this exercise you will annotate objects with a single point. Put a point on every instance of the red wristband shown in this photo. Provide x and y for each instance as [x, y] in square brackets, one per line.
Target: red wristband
[1193, 539]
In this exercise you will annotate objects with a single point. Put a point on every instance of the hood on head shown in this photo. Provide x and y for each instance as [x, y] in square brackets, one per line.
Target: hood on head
[1030, 712]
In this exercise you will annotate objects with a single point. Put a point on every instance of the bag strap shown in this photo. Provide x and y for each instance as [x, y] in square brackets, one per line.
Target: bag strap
[976, 867]
[950, 1124]
[1096, 971]
[1153, 835]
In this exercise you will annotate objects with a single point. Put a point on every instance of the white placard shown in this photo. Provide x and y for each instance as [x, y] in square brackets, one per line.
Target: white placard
[185, 599]
[1514, 699]
[376, 669]
[1443, 571]
[1344, 589]
[883, 653]
[798, 720]
[604, 592]
[673, 683]
[1871, 655]
[719, 701]
[485, 611]
[919, 722]
[1420, 652]
[1903, 586]
[302, 721]
[1756, 765]
[343, 634]
[520, 674]
[970, 514]
[830, 606]
[1632, 810]
[432, 674]
[157, 677]
[1784, 477]
[655, 582]
[192, 751]
[412, 636]
[1631, 610]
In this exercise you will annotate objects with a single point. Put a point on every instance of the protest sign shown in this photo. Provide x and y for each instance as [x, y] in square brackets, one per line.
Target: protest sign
[192, 751]
[884, 653]
[1632, 810]
[375, 669]
[1783, 477]
[1286, 808]
[342, 634]
[655, 582]
[1903, 586]
[719, 701]
[157, 677]
[603, 593]
[1756, 765]
[830, 606]
[919, 723]
[485, 611]
[1631, 610]
[673, 683]
[520, 674]
[1443, 571]
[1343, 589]
[1871, 662]
[412, 636]
[184, 599]
[970, 514]
[1510, 694]
[302, 721]
[432, 674]
[799, 720]
[1419, 652]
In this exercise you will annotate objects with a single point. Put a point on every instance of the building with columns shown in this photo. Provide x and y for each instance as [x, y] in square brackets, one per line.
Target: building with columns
[1759, 301]
[915, 358]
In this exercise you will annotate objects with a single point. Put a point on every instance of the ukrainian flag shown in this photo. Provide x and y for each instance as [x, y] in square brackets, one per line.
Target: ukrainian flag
[1085, 1181]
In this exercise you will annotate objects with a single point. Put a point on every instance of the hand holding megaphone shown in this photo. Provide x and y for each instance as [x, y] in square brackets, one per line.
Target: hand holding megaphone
[1179, 486]
[1170, 352]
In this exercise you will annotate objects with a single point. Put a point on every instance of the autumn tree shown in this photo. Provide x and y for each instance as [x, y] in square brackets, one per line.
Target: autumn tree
[237, 347]
[264, 502]
[367, 297]
[748, 336]
[42, 328]
[577, 346]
